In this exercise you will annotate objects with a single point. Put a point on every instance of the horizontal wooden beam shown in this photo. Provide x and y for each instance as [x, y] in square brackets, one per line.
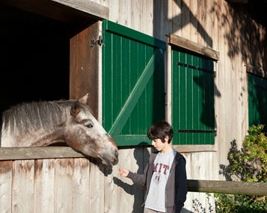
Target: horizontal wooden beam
[73, 12]
[195, 148]
[29, 153]
[193, 47]
[227, 187]
[88, 7]
[256, 70]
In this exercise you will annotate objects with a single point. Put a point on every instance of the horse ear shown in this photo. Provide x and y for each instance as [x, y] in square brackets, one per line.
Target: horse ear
[75, 109]
[84, 99]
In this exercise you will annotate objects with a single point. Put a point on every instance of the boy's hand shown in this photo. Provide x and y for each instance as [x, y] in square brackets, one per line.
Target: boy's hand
[123, 172]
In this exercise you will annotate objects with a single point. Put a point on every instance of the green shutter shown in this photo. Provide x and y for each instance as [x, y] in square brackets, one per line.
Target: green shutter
[257, 100]
[132, 83]
[193, 99]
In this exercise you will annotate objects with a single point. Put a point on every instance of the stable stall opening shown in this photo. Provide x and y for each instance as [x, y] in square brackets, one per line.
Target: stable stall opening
[34, 57]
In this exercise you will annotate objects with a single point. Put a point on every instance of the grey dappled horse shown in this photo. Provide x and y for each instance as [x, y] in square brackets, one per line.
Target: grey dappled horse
[47, 122]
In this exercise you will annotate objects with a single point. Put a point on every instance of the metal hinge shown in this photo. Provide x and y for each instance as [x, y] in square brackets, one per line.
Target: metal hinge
[98, 41]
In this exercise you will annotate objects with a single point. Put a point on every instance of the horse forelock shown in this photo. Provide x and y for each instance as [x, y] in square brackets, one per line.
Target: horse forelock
[33, 115]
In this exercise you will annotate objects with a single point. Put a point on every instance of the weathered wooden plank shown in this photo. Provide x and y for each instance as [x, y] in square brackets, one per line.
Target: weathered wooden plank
[207, 23]
[110, 194]
[5, 186]
[146, 20]
[194, 47]
[44, 186]
[194, 17]
[176, 18]
[80, 186]
[136, 17]
[201, 15]
[127, 192]
[96, 188]
[124, 185]
[63, 185]
[23, 187]
[141, 157]
[227, 187]
[23, 153]
[185, 18]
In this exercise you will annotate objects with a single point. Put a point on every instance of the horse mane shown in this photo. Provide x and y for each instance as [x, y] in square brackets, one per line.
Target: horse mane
[33, 115]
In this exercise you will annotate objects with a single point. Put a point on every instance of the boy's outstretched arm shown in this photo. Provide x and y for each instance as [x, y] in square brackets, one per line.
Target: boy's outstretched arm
[123, 172]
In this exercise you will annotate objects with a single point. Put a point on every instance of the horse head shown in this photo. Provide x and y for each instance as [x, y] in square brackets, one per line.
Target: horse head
[86, 135]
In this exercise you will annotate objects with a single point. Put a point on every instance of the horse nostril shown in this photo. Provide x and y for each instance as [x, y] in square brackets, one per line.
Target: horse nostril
[116, 159]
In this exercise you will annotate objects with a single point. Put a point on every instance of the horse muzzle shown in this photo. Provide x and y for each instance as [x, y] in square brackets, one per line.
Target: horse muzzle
[110, 158]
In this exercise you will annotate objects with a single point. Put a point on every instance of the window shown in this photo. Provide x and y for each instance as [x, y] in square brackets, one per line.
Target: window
[257, 100]
[192, 98]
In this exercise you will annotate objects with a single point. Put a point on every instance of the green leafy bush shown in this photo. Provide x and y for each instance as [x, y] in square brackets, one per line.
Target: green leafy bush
[249, 165]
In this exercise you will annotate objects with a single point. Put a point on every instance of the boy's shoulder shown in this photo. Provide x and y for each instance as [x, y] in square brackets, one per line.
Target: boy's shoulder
[153, 156]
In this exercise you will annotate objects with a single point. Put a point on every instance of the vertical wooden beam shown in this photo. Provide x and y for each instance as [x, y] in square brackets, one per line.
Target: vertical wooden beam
[84, 65]
[168, 84]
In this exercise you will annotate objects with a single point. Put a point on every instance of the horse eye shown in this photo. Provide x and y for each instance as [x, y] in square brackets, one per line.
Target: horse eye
[89, 125]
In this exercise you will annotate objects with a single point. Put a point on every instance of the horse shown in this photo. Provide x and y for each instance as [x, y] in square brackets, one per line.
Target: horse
[44, 123]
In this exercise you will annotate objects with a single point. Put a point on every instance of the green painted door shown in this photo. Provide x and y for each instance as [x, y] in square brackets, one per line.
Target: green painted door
[192, 99]
[133, 83]
[257, 100]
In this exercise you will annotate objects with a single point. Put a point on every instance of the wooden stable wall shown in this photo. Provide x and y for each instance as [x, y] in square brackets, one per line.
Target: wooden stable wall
[240, 42]
[216, 24]
[60, 180]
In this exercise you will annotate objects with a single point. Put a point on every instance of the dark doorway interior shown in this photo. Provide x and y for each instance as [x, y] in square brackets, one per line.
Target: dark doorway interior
[34, 57]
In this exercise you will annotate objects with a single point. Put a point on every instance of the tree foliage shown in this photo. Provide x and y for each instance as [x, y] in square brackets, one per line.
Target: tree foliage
[249, 165]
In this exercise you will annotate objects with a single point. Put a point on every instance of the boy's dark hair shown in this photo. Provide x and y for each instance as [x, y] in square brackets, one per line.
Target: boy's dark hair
[160, 130]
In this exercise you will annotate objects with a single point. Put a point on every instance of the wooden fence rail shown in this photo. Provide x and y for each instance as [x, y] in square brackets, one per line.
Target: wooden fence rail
[208, 186]
[227, 187]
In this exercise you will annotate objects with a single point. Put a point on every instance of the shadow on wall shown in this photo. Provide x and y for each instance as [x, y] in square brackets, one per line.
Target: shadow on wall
[141, 156]
[249, 33]
[201, 205]
[185, 211]
[225, 170]
[208, 100]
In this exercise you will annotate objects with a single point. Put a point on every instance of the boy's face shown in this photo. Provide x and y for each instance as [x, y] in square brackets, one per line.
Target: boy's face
[159, 145]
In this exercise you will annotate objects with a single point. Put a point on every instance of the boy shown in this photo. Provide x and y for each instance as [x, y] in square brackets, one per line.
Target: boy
[164, 175]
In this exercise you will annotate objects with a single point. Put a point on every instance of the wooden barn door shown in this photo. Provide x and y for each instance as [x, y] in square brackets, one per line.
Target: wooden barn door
[84, 66]
[132, 82]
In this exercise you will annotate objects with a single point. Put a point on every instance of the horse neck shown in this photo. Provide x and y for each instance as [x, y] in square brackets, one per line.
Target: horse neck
[34, 138]
[48, 139]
